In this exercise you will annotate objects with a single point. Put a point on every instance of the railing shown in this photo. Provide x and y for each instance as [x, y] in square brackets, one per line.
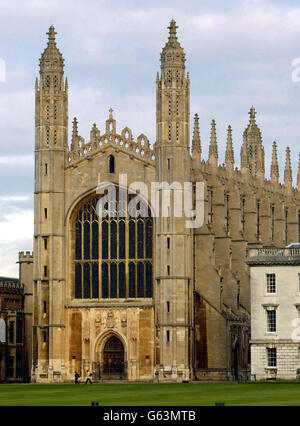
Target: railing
[274, 252]
[11, 287]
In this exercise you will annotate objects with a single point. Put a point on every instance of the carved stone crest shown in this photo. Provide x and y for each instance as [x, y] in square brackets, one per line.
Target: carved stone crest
[110, 321]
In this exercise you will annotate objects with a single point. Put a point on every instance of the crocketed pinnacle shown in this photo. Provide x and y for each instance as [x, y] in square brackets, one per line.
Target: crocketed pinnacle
[252, 132]
[274, 164]
[196, 142]
[288, 177]
[213, 147]
[172, 55]
[51, 59]
[229, 156]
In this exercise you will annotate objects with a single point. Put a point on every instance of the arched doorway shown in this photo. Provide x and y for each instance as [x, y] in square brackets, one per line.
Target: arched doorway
[113, 358]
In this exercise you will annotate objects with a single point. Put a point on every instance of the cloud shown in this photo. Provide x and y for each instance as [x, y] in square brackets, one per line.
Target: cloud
[9, 256]
[238, 54]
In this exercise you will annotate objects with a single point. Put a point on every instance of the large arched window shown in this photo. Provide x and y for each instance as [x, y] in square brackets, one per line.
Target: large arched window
[112, 256]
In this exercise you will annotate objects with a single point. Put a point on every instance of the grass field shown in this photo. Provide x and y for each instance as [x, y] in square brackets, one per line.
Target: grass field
[152, 394]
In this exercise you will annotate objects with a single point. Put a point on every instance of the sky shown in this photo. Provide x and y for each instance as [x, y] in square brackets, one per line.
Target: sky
[239, 53]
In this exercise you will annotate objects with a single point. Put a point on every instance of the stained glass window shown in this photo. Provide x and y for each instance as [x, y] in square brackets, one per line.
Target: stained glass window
[113, 255]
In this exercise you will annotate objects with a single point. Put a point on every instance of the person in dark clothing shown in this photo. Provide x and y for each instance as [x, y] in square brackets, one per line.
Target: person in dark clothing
[88, 377]
[76, 378]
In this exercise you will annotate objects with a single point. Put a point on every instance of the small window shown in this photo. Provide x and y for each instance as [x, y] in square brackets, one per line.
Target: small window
[168, 269]
[272, 357]
[45, 213]
[271, 283]
[45, 243]
[47, 82]
[45, 271]
[45, 307]
[168, 306]
[111, 164]
[271, 321]
[46, 169]
[44, 336]
[11, 332]
[168, 335]
[169, 161]
[168, 244]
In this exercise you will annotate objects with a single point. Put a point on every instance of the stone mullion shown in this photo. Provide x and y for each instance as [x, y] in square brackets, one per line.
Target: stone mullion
[82, 255]
[118, 255]
[91, 254]
[127, 252]
[100, 256]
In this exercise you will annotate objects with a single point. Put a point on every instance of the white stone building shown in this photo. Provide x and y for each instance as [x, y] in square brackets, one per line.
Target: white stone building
[275, 313]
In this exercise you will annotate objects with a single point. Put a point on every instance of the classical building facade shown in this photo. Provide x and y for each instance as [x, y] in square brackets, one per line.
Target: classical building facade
[275, 313]
[146, 298]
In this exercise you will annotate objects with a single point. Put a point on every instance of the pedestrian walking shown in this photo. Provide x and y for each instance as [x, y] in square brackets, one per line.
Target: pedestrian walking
[76, 378]
[88, 377]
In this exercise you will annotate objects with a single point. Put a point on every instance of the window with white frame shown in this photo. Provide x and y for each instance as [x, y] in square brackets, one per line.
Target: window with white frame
[272, 357]
[271, 316]
[271, 283]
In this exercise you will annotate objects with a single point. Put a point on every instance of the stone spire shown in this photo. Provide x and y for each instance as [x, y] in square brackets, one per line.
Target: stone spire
[51, 59]
[229, 156]
[172, 55]
[196, 142]
[274, 166]
[288, 177]
[213, 147]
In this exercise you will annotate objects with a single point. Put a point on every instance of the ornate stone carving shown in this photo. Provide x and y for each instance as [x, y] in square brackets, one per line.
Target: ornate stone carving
[110, 321]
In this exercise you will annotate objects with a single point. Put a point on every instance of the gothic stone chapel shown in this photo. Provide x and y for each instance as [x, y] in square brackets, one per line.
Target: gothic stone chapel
[145, 298]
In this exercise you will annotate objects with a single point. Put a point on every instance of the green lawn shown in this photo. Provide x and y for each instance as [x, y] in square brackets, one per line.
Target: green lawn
[152, 394]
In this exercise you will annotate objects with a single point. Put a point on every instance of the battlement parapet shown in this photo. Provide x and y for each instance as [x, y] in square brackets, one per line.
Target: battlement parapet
[25, 256]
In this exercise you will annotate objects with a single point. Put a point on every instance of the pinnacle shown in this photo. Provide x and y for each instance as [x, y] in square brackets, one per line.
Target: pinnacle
[196, 142]
[172, 54]
[51, 54]
[75, 127]
[229, 157]
[213, 148]
[288, 168]
[274, 164]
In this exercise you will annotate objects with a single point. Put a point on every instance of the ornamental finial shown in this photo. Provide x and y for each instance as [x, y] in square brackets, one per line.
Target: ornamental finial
[51, 34]
[172, 28]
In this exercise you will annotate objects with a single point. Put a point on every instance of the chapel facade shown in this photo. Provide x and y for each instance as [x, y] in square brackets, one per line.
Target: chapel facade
[146, 298]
